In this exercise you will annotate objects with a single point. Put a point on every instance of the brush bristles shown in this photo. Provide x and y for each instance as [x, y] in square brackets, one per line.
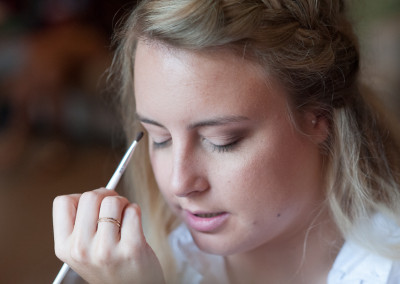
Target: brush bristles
[139, 136]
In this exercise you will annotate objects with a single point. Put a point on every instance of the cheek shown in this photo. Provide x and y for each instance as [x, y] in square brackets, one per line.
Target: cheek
[259, 180]
[161, 175]
[160, 170]
[274, 177]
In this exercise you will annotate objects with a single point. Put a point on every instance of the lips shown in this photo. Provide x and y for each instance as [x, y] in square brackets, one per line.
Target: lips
[208, 215]
[206, 222]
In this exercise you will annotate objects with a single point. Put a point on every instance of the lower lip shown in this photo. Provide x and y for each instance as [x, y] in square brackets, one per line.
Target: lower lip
[205, 224]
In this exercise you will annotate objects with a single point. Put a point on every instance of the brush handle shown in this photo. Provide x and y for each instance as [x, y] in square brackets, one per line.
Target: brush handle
[112, 184]
[61, 274]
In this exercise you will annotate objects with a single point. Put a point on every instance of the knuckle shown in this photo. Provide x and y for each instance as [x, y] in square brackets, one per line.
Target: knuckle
[134, 212]
[101, 189]
[114, 201]
[60, 252]
[134, 252]
[79, 253]
[58, 200]
[103, 256]
[137, 210]
[90, 196]
[61, 200]
[129, 252]
[134, 249]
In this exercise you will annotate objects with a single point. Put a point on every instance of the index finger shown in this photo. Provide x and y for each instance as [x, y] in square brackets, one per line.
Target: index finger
[64, 214]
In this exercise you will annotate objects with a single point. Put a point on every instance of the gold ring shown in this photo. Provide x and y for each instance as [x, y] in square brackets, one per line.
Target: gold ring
[110, 220]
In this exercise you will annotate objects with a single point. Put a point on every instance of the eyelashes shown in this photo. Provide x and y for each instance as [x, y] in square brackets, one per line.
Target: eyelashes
[224, 148]
[214, 147]
[160, 145]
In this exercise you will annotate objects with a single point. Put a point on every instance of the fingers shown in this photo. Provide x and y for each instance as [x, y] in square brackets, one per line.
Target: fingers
[132, 235]
[75, 221]
[81, 240]
[64, 212]
[103, 252]
[88, 213]
[111, 209]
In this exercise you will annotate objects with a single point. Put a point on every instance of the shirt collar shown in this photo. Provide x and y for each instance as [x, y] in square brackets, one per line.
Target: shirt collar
[355, 265]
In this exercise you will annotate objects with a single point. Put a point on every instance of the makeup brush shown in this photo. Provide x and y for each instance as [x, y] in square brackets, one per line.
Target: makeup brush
[111, 185]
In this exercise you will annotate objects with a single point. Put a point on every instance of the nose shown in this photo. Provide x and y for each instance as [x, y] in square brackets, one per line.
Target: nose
[188, 174]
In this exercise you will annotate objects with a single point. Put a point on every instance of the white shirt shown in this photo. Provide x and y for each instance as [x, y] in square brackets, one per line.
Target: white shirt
[353, 265]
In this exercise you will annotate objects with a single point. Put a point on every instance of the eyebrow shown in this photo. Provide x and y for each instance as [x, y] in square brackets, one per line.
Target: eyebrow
[223, 120]
[148, 121]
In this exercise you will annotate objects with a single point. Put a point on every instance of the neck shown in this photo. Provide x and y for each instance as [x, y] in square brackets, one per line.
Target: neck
[304, 258]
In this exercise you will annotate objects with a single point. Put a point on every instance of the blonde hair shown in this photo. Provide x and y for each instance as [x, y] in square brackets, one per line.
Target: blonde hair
[309, 46]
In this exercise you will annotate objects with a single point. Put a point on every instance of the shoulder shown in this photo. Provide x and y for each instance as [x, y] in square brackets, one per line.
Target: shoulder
[193, 265]
[355, 264]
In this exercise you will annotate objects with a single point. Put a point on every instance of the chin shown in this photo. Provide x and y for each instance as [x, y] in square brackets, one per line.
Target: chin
[213, 244]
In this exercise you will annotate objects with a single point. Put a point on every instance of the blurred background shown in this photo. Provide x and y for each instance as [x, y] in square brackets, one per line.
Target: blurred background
[59, 130]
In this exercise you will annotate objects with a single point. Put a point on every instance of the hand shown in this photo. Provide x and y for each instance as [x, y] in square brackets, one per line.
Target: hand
[103, 252]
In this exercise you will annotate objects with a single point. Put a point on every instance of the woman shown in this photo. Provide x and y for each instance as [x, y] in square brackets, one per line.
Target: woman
[264, 162]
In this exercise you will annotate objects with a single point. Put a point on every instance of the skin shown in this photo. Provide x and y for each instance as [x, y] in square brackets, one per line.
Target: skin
[221, 140]
[103, 253]
[268, 180]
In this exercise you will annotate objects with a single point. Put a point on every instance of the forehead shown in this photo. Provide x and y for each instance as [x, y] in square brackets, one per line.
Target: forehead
[169, 76]
[210, 60]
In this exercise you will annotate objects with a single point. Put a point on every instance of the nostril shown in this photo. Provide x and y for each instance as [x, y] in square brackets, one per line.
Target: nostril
[190, 186]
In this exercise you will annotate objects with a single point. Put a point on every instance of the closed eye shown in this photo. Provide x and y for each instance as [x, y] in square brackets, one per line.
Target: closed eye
[160, 145]
[224, 148]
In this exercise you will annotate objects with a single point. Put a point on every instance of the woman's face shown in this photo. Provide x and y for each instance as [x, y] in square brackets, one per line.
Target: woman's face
[224, 152]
